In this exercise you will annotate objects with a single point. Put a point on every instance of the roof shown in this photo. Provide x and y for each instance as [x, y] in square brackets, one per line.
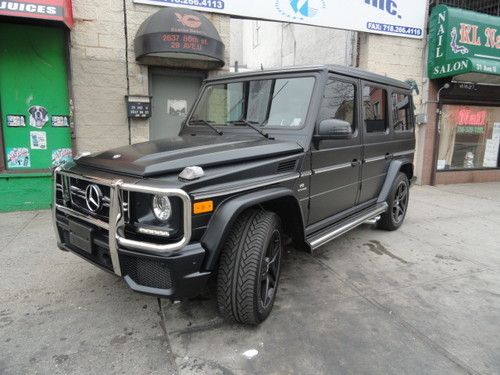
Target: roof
[339, 69]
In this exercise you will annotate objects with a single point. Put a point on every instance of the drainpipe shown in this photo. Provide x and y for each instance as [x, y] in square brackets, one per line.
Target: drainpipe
[435, 150]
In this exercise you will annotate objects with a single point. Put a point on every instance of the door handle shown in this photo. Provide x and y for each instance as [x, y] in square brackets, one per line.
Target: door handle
[355, 163]
[388, 156]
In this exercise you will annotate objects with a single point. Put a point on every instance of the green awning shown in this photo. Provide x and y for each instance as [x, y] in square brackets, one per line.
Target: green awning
[464, 43]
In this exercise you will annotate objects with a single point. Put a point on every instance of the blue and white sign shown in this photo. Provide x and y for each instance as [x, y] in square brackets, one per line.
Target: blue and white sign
[405, 18]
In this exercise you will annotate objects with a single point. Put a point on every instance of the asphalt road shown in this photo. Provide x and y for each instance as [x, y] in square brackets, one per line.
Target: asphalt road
[424, 299]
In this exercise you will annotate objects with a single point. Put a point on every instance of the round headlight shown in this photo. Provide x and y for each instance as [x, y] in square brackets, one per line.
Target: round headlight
[162, 207]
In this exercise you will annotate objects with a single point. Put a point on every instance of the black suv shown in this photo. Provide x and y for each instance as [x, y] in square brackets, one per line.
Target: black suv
[305, 152]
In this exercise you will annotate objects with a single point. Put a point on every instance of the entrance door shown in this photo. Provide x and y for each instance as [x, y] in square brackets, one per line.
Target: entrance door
[34, 101]
[173, 95]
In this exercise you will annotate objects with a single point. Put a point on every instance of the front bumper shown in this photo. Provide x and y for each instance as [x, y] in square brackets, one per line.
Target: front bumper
[176, 276]
[172, 270]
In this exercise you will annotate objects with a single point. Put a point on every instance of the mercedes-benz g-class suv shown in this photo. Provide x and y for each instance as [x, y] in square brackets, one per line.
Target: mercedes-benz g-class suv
[305, 152]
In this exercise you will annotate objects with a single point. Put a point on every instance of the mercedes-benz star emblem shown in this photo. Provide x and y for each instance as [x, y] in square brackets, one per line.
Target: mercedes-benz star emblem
[93, 197]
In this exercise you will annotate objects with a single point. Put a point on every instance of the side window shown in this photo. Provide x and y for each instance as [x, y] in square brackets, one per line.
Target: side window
[375, 108]
[338, 102]
[401, 112]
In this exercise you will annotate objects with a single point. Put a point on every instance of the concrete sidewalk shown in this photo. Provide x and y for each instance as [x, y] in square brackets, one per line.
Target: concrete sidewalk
[424, 299]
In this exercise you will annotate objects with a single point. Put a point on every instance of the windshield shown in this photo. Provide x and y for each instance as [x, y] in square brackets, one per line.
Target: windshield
[280, 102]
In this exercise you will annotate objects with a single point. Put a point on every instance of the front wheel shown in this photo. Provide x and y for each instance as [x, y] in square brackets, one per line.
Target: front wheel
[249, 267]
[398, 200]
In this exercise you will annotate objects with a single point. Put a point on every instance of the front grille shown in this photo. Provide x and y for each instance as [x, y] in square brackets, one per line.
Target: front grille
[147, 272]
[77, 189]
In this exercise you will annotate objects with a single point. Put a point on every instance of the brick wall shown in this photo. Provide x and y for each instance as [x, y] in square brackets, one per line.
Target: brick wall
[99, 68]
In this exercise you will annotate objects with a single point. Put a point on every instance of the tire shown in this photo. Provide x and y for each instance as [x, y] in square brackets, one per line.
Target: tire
[249, 267]
[397, 201]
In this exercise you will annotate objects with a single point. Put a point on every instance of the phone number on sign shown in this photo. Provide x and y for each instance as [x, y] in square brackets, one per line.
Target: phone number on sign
[394, 29]
[213, 4]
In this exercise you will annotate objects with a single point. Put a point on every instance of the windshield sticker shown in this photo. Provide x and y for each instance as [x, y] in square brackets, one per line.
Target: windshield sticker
[177, 107]
[296, 122]
[61, 156]
[38, 140]
[38, 116]
[18, 157]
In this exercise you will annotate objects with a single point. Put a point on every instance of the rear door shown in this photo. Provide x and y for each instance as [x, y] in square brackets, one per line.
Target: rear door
[336, 163]
[378, 140]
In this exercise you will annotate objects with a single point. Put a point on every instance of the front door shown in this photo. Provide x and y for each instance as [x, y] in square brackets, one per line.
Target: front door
[173, 95]
[336, 163]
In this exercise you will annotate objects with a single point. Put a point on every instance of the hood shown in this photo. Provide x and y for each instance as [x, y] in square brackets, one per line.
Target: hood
[174, 154]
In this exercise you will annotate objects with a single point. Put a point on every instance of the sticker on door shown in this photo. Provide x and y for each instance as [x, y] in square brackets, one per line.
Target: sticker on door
[177, 107]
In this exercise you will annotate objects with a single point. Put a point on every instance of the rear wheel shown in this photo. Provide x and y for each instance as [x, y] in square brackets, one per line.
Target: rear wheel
[249, 267]
[398, 200]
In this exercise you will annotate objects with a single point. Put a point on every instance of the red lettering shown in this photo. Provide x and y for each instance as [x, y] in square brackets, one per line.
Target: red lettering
[465, 30]
[492, 40]
[467, 117]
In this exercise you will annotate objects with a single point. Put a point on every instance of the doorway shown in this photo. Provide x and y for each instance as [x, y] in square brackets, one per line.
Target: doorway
[173, 94]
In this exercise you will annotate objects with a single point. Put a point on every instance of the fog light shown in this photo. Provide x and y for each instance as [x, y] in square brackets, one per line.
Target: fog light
[162, 207]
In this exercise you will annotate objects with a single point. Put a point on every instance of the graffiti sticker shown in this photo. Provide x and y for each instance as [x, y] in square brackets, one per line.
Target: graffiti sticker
[18, 157]
[61, 156]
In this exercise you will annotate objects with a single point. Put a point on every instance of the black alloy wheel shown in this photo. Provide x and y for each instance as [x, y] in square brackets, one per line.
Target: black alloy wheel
[400, 202]
[397, 201]
[270, 270]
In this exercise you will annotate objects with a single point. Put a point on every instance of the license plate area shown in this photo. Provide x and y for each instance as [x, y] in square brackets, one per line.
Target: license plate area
[80, 236]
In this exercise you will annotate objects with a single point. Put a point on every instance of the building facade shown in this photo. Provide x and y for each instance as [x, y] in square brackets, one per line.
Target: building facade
[455, 68]
[92, 75]
[463, 67]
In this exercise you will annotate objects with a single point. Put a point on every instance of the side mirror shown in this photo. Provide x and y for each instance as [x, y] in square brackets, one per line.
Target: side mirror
[334, 129]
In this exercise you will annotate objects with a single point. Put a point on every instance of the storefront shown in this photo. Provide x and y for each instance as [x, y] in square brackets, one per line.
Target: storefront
[464, 66]
[34, 100]
[180, 48]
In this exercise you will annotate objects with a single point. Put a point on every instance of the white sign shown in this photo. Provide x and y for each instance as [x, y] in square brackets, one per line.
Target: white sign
[38, 140]
[491, 153]
[404, 18]
[496, 130]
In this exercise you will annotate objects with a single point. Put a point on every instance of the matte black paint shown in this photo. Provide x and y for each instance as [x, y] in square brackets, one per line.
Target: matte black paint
[331, 180]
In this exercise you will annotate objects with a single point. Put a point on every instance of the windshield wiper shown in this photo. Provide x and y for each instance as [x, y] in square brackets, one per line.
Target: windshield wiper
[207, 123]
[250, 124]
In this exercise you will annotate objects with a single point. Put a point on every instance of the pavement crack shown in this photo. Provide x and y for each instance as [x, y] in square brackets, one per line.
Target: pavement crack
[19, 232]
[402, 322]
[163, 325]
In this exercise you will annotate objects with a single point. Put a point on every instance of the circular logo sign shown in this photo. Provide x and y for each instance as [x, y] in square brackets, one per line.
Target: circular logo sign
[300, 9]
[93, 196]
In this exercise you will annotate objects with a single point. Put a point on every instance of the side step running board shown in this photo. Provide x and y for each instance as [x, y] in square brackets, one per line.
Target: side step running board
[326, 235]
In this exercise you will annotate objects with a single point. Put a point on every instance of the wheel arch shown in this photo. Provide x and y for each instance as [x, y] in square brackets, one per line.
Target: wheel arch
[279, 200]
[396, 166]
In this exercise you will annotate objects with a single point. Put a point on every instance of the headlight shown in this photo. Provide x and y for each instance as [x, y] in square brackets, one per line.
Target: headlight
[162, 207]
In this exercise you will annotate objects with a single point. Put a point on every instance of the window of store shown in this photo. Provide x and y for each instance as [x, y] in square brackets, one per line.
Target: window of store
[469, 137]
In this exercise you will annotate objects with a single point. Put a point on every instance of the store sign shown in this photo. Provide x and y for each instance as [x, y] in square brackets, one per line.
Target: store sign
[463, 42]
[179, 33]
[403, 18]
[57, 10]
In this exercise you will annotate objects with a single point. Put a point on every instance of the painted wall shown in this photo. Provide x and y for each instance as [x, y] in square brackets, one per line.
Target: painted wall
[273, 44]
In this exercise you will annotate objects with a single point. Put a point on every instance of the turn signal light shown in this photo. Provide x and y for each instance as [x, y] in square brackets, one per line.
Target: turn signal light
[203, 207]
